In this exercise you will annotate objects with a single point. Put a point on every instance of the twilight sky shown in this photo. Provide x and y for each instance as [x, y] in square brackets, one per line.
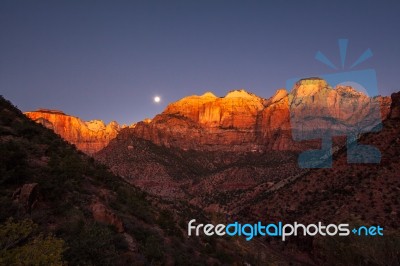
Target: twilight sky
[109, 59]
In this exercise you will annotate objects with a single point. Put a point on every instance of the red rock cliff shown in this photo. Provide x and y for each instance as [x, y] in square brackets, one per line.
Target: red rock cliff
[242, 121]
[88, 137]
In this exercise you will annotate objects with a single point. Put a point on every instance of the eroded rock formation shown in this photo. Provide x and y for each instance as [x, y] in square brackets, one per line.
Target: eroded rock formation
[242, 121]
[88, 137]
[239, 121]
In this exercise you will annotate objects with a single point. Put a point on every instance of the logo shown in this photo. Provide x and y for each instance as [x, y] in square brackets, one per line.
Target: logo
[249, 231]
[320, 114]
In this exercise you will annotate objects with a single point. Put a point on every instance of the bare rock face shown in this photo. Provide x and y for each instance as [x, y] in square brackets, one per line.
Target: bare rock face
[104, 215]
[318, 111]
[27, 195]
[88, 137]
[274, 123]
[242, 121]
[206, 122]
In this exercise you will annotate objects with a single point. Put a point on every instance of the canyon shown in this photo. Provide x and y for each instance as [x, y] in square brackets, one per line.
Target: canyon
[207, 148]
[236, 158]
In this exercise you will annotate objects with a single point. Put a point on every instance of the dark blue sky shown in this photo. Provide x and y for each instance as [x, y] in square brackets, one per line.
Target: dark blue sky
[108, 59]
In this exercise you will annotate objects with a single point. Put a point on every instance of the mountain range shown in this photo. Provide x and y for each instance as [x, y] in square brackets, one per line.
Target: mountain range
[240, 121]
[236, 157]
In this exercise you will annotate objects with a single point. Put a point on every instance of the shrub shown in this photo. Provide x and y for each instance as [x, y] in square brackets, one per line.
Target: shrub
[355, 250]
[154, 248]
[20, 244]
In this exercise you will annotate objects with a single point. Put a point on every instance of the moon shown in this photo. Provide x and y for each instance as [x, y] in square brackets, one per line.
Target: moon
[157, 99]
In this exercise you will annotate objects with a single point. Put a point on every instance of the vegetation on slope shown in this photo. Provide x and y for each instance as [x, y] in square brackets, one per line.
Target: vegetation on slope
[55, 224]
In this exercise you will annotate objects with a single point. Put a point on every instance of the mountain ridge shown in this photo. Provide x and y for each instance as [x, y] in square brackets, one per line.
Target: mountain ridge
[240, 121]
[241, 184]
[88, 136]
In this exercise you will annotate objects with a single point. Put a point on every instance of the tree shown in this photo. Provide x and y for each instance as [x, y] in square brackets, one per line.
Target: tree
[21, 244]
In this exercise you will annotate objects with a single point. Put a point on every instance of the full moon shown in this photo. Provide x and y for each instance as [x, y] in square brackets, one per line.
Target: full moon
[157, 99]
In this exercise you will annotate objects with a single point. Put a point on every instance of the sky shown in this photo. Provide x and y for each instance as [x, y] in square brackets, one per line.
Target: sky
[109, 59]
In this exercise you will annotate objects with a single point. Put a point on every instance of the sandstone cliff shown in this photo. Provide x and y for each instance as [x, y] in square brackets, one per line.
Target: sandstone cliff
[242, 121]
[206, 121]
[239, 121]
[88, 137]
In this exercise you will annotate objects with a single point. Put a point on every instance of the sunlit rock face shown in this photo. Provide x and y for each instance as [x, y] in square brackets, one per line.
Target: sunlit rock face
[206, 122]
[89, 137]
[274, 123]
[318, 111]
[242, 121]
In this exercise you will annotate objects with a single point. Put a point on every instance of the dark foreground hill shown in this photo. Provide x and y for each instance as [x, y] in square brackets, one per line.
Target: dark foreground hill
[58, 206]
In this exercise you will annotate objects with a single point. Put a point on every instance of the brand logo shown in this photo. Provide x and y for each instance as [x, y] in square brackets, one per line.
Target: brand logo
[319, 116]
[249, 231]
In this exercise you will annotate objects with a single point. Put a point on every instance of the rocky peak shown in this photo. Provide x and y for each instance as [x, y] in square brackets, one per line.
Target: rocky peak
[208, 95]
[88, 136]
[95, 125]
[240, 94]
[279, 95]
[50, 111]
[348, 91]
[133, 125]
[308, 87]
